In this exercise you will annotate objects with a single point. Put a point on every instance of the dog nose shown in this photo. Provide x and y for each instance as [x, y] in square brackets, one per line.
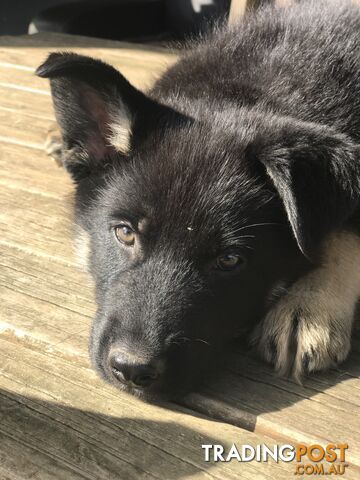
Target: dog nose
[136, 374]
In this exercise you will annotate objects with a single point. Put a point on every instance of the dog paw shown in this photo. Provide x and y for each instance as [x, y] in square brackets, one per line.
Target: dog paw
[53, 145]
[308, 329]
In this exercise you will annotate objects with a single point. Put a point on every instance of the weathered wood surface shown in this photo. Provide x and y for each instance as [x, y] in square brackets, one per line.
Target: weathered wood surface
[58, 420]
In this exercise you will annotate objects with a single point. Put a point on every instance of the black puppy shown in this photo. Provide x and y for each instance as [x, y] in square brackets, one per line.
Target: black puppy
[225, 199]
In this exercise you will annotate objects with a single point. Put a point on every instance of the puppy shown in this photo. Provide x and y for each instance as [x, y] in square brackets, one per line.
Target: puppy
[226, 199]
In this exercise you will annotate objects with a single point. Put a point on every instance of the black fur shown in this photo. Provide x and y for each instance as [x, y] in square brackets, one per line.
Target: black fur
[248, 145]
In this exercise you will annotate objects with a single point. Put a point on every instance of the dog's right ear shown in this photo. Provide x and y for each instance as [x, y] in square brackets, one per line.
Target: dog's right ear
[95, 107]
[316, 173]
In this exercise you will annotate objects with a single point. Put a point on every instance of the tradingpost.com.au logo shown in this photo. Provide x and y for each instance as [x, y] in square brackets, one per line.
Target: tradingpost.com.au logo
[308, 459]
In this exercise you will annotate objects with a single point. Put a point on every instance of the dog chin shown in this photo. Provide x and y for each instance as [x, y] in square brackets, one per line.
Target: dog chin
[158, 395]
[155, 396]
[148, 396]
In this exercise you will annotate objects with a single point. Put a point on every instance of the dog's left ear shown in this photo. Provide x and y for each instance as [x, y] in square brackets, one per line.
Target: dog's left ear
[316, 172]
[96, 108]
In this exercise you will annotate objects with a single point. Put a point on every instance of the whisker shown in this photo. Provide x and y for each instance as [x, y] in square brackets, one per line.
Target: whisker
[178, 340]
[259, 225]
[172, 338]
[202, 341]
[183, 339]
[232, 236]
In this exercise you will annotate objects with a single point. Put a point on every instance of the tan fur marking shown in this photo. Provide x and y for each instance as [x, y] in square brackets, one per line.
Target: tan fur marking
[82, 247]
[312, 322]
[120, 129]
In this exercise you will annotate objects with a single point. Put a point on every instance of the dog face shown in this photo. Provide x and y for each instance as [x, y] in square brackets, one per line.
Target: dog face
[190, 224]
[183, 259]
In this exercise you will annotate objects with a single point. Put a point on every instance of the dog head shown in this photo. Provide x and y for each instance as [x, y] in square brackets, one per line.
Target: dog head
[191, 222]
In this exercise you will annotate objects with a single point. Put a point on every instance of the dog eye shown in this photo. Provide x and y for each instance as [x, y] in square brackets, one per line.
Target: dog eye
[125, 235]
[230, 261]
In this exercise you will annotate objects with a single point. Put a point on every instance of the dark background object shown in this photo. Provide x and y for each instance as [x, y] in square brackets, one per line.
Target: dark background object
[15, 15]
[118, 20]
[189, 17]
[115, 19]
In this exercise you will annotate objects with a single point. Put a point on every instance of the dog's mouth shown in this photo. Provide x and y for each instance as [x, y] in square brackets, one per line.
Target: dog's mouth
[148, 374]
[147, 395]
[161, 392]
[174, 384]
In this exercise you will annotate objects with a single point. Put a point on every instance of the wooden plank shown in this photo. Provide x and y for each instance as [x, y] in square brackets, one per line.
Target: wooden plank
[132, 67]
[24, 53]
[25, 102]
[53, 40]
[25, 96]
[15, 78]
[71, 416]
[65, 286]
[48, 222]
[32, 462]
[31, 170]
[22, 128]
[254, 395]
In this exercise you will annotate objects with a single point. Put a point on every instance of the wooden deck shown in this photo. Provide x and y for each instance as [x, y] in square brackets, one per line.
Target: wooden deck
[58, 420]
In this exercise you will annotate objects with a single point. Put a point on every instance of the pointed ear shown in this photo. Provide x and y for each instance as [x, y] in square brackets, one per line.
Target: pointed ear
[95, 107]
[316, 172]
